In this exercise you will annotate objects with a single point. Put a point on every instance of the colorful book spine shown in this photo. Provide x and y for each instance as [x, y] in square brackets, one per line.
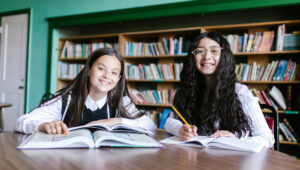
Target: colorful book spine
[286, 122]
[266, 98]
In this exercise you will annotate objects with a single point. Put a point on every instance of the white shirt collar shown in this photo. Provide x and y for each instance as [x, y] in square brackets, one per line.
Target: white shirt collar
[92, 105]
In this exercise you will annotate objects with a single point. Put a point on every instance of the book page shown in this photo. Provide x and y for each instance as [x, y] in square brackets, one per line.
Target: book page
[223, 142]
[92, 126]
[75, 139]
[116, 128]
[129, 129]
[199, 141]
[109, 139]
[235, 144]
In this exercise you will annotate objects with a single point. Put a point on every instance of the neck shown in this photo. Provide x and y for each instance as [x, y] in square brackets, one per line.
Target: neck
[96, 95]
[207, 79]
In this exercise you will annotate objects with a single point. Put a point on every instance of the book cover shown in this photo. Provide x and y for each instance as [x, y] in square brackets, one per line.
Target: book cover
[278, 97]
[267, 41]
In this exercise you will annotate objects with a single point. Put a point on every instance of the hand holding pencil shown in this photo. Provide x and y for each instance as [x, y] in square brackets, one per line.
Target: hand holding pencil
[186, 132]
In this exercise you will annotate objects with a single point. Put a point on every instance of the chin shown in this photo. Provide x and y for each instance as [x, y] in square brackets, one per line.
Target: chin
[207, 72]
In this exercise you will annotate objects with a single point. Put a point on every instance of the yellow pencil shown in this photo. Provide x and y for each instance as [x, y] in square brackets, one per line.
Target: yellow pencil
[176, 111]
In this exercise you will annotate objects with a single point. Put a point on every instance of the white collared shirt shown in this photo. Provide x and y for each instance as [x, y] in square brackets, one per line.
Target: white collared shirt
[51, 111]
[94, 105]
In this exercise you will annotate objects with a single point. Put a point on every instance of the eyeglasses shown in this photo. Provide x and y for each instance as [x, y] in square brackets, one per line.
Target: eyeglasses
[203, 51]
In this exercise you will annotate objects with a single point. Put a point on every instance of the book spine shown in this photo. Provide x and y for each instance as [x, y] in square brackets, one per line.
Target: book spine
[266, 98]
[285, 121]
[293, 139]
[284, 132]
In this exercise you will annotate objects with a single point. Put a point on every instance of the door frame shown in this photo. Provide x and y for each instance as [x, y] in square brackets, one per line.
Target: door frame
[17, 12]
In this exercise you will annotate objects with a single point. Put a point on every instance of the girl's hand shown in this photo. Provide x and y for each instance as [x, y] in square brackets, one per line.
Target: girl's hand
[107, 122]
[186, 133]
[54, 127]
[222, 133]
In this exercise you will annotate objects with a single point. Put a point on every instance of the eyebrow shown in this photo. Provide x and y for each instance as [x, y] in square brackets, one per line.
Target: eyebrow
[209, 46]
[114, 69]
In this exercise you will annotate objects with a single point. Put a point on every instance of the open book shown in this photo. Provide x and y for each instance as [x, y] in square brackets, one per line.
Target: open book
[222, 142]
[116, 128]
[84, 138]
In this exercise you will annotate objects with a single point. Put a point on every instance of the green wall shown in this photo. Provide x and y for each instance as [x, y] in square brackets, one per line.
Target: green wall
[115, 10]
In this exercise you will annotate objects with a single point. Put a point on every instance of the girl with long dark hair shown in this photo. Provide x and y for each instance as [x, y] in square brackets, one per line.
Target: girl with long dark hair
[212, 100]
[98, 94]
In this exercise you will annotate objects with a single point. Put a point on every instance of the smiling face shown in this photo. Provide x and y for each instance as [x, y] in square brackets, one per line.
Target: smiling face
[207, 56]
[104, 75]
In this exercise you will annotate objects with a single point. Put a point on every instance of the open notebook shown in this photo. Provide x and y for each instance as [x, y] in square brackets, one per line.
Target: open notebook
[222, 142]
[84, 138]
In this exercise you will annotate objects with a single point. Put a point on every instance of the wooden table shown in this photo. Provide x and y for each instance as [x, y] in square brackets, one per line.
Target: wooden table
[171, 157]
[2, 105]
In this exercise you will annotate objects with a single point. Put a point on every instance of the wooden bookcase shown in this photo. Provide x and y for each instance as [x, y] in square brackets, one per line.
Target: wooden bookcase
[262, 58]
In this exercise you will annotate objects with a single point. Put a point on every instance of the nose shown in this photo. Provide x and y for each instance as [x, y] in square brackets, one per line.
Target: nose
[105, 74]
[207, 55]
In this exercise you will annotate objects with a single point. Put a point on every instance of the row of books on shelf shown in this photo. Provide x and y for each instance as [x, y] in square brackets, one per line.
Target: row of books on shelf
[167, 46]
[159, 118]
[288, 133]
[264, 41]
[68, 71]
[153, 96]
[83, 50]
[283, 70]
[273, 97]
[152, 71]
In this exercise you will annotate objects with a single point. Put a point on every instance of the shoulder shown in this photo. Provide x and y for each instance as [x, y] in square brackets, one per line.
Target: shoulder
[56, 100]
[126, 100]
[129, 106]
[244, 93]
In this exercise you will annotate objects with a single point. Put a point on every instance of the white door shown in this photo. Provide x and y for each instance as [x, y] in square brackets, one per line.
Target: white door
[13, 52]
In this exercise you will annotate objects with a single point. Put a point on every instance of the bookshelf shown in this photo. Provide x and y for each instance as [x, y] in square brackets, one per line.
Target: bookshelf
[170, 47]
[160, 43]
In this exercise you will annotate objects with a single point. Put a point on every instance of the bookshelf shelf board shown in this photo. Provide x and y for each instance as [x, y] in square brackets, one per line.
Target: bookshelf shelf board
[282, 111]
[154, 56]
[89, 37]
[66, 80]
[267, 53]
[154, 105]
[270, 82]
[155, 81]
[289, 143]
[73, 59]
[251, 25]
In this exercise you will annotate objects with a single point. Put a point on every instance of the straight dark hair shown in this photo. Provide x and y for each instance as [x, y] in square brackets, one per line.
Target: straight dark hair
[79, 90]
[221, 104]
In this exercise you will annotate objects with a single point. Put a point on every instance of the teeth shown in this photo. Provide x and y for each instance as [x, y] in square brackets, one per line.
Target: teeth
[207, 64]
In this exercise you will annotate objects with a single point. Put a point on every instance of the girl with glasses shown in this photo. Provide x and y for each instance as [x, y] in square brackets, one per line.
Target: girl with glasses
[212, 100]
[98, 94]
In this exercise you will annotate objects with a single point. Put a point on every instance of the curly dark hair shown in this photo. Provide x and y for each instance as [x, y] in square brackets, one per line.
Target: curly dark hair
[204, 106]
